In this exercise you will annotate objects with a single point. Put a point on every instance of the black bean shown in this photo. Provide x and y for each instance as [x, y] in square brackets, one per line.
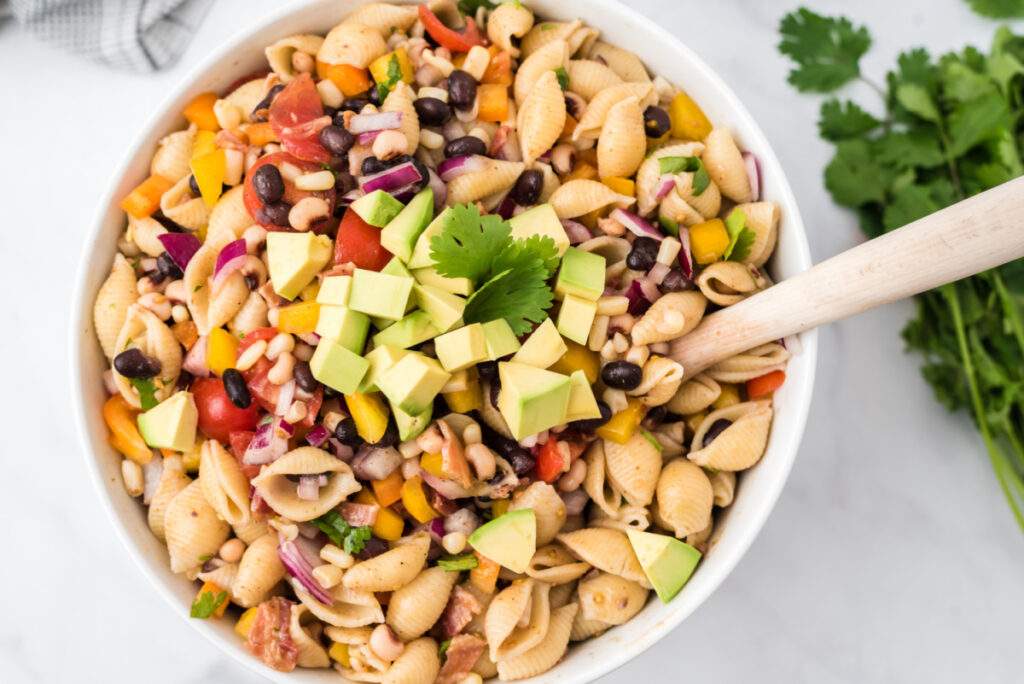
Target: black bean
[373, 94]
[495, 390]
[337, 140]
[166, 266]
[675, 281]
[522, 461]
[274, 214]
[656, 121]
[432, 111]
[461, 89]
[354, 104]
[171, 226]
[621, 375]
[132, 363]
[347, 433]
[344, 183]
[467, 144]
[193, 186]
[716, 429]
[390, 436]
[269, 99]
[184, 380]
[372, 165]
[591, 424]
[487, 370]
[238, 391]
[527, 189]
[424, 174]
[644, 254]
[654, 417]
[268, 184]
[304, 377]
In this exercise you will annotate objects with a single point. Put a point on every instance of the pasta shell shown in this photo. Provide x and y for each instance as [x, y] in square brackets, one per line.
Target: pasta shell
[228, 219]
[554, 565]
[212, 310]
[311, 653]
[223, 483]
[725, 165]
[279, 54]
[587, 78]
[414, 608]
[384, 17]
[583, 629]
[509, 20]
[678, 210]
[390, 570]
[250, 531]
[763, 219]
[524, 599]
[610, 598]
[351, 636]
[699, 540]
[750, 364]
[740, 445]
[708, 203]
[193, 529]
[671, 438]
[613, 249]
[627, 518]
[223, 576]
[562, 595]
[251, 315]
[694, 395]
[259, 571]
[593, 118]
[173, 154]
[648, 176]
[596, 485]
[551, 181]
[485, 667]
[672, 316]
[418, 664]
[578, 36]
[279, 492]
[541, 117]
[547, 653]
[723, 484]
[172, 480]
[178, 204]
[548, 508]
[246, 96]
[623, 62]
[353, 44]
[349, 608]
[580, 196]
[623, 142]
[147, 333]
[728, 282]
[145, 233]
[659, 381]
[607, 550]
[633, 468]
[110, 310]
[497, 175]
[400, 100]
[685, 498]
[548, 58]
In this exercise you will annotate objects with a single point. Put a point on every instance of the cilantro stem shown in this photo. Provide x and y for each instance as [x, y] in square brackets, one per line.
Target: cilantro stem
[874, 86]
[1010, 308]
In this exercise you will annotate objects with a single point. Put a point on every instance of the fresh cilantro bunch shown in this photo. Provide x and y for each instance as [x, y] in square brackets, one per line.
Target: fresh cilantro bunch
[341, 534]
[510, 275]
[998, 9]
[946, 128]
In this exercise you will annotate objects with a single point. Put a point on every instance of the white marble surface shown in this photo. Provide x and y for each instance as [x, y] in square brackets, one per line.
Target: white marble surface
[891, 556]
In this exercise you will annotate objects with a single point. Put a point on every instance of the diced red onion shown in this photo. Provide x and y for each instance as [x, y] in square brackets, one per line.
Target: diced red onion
[317, 436]
[392, 179]
[285, 397]
[638, 302]
[312, 339]
[376, 121]
[685, 254]
[181, 247]
[151, 473]
[649, 288]
[267, 445]
[636, 225]
[350, 197]
[576, 231]
[575, 501]
[463, 520]
[375, 464]
[753, 165]
[435, 528]
[308, 488]
[285, 428]
[439, 188]
[195, 360]
[367, 138]
[657, 273]
[452, 168]
[665, 185]
[301, 569]
[230, 259]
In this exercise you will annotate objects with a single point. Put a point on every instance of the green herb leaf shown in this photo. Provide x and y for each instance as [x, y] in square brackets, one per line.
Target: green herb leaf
[741, 238]
[469, 7]
[341, 534]
[468, 243]
[394, 75]
[701, 179]
[147, 392]
[206, 604]
[914, 148]
[841, 120]
[443, 647]
[520, 296]
[668, 225]
[652, 439]
[563, 77]
[998, 9]
[973, 122]
[527, 254]
[826, 50]
[355, 540]
[854, 177]
[466, 561]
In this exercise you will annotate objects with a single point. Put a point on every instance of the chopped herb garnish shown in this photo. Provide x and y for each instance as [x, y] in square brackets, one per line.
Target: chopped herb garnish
[206, 604]
[466, 561]
[652, 439]
[147, 392]
[443, 648]
[563, 77]
[394, 75]
[341, 534]
[741, 238]
[469, 7]
[701, 179]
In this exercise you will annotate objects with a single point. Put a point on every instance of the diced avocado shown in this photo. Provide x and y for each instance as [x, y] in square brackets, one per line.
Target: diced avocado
[377, 208]
[395, 267]
[399, 235]
[581, 274]
[540, 220]
[501, 341]
[430, 276]
[380, 294]
[410, 427]
[461, 348]
[294, 259]
[445, 309]
[421, 252]
[543, 347]
[531, 399]
[171, 424]
[582, 404]
[334, 290]
[459, 381]
[347, 327]
[380, 359]
[408, 332]
[575, 318]
[338, 367]
[667, 562]
[413, 382]
[509, 540]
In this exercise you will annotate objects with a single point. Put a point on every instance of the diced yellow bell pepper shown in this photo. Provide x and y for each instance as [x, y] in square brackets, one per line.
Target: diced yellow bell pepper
[370, 414]
[221, 350]
[379, 67]
[577, 358]
[688, 120]
[730, 396]
[204, 143]
[298, 319]
[694, 420]
[388, 490]
[124, 433]
[244, 624]
[215, 591]
[389, 525]
[190, 459]
[464, 401]
[485, 575]
[200, 112]
[144, 199]
[310, 292]
[493, 102]
[623, 424]
[500, 507]
[415, 500]
[708, 241]
[210, 171]
[432, 464]
[583, 171]
[339, 654]
[623, 186]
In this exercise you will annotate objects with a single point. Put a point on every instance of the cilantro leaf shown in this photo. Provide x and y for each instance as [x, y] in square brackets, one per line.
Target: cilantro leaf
[341, 534]
[520, 296]
[394, 75]
[522, 254]
[147, 392]
[701, 179]
[468, 243]
[563, 77]
[466, 561]
[442, 648]
[853, 176]
[355, 540]
[206, 604]
[841, 120]
[741, 238]
[915, 147]
[826, 50]
[973, 122]
[998, 9]
[469, 7]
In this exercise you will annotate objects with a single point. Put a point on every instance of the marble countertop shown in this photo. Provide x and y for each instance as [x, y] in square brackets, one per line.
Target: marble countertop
[891, 556]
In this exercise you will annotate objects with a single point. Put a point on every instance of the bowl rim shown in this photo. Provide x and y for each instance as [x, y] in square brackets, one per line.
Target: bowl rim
[82, 311]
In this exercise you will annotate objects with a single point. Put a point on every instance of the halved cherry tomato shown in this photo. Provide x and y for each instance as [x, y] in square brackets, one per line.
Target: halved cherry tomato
[239, 440]
[359, 242]
[262, 390]
[764, 385]
[456, 41]
[297, 115]
[550, 462]
[218, 417]
[291, 194]
[253, 336]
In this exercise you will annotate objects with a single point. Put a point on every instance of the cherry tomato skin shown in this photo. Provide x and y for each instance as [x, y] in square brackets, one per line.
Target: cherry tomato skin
[218, 417]
[359, 242]
[455, 41]
[297, 116]
[291, 193]
[550, 463]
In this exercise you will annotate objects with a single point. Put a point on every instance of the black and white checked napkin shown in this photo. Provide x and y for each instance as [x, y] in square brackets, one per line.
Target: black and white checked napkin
[138, 35]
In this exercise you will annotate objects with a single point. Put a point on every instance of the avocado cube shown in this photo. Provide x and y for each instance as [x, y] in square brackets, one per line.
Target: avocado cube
[531, 399]
[501, 341]
[400, 234]
[334, 290]
[667, 562]
[575, 318]
[582, 404]
[543, 347]
[430, 276]
[540, 220]
[338, 367]
[380, 294]
[377, 208]
[444, 308]
[410, 427]
[294, 259]
[413, 382]
[459, 381]
[171, 424]
[461, 348]
[581, 274]
[380, 360]
[421, 252]
[347, 327]
[408, 332]
[510, 540]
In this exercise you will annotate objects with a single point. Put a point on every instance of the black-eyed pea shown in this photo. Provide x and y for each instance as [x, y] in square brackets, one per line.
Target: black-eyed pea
[175, 291]
[282, 370]
[612, 306]
[328, 575]
[385, 643]
[454, 542]
[156, 303]
[303, 351]
[179, 312]
[254, 237]
[562, 158]
[302, 62]
[336, 556]
[572, 480]
[296, 412]
[308, 211]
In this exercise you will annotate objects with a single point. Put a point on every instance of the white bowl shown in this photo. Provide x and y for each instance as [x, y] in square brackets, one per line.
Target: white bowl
[759, 487]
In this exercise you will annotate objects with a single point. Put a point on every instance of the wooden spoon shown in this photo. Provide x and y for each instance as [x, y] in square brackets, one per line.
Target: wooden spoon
[966, 238]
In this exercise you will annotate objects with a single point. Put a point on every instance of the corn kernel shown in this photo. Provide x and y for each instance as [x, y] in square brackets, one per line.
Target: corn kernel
[316, 181]
[339, 654]
[623, 186]
[623, 424]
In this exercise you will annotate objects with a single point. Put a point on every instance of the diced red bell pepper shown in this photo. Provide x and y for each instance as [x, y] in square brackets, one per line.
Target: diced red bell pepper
[456, 41]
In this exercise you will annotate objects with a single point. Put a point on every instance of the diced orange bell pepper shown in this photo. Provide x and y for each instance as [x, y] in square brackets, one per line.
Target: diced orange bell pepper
[215, 591]
[623, 186]
[145, 198]
[485, 575]
[379, 67]
[708, 241]
[298, 319]
[388, 525]
[339, 654]
[432, 464]
[186, 333]
[568, 128]
[244, 624]
[200, 112]
[688, 120]
[765, 385]
[209, 171]
[221, 351]
[388, 490]
[370, 414]
[415, 500]
[623, 424]
[260, 133]
[493, 100]
[583, 171]
[464, 401]
[499, 69]
[351, 80]
[119, 416]
[578, 357]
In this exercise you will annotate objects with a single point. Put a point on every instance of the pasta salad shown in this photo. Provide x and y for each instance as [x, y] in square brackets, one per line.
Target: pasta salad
[388, 333]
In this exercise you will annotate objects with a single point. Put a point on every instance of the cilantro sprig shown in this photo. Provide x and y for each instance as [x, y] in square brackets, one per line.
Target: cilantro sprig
[147, 392]
[206, 604]
[394, 75]
[341, 534]
[466, 561]
[826, 50]
[741, 238]
[701, 178]
[998, 9]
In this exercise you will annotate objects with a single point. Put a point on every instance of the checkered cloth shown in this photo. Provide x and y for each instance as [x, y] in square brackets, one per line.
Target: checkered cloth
[138, 35]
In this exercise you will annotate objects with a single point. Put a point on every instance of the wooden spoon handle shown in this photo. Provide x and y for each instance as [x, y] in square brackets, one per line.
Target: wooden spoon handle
[966, 238]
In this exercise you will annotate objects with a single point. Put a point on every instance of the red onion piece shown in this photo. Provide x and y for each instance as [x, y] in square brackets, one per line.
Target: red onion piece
[359, 514]
[636, 225]
[575, 501]
[151, 473]
[649, 288]
[230, 259]
[753, 165]
[317, 436]
[638, 302]
[342, 452]
[285, 396]
[450, 169]
[375, 464]
[367, 138]
[181, 247]
[665, 185]
[576, 231]
[267, 445]
[439, 188]
[507, 208]
[436, 528]
[195, 360]
[391, 179]
[285, 428]
[308, 488]
[657, 273]
[350, 197]
[376, 121]
[299, 568]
